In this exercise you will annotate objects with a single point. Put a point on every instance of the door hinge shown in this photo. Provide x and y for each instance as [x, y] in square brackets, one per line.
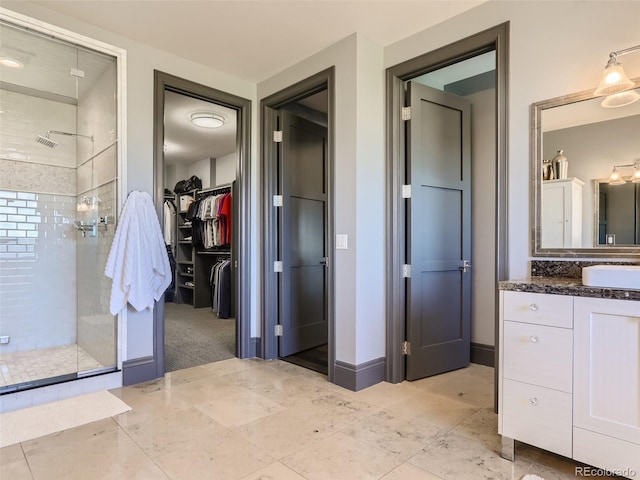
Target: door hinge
[279, 330]
[277, 136]
[406, 113]
[406, 191]
[277, 266]
[277, 200]
[406, 271]
[406, 348]
[466, 265]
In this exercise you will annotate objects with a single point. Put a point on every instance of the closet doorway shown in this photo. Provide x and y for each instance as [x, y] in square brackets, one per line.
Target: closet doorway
[298, 224]
[201, 143]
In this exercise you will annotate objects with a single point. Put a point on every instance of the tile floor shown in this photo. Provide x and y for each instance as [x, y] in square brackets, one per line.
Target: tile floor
[30, 365]
[256, 420]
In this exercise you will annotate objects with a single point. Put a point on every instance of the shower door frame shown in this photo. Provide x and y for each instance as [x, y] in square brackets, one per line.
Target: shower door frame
[120, 56]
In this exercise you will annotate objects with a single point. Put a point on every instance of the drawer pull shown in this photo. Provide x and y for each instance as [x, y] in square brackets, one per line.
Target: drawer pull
[533, 339]
[533, 401]
[533, 307]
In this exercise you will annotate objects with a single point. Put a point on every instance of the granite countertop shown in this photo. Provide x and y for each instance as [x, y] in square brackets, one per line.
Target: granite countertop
[567, 286]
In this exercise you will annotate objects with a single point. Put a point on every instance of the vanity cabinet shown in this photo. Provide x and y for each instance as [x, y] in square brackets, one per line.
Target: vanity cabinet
[562, 213]
[570, 377]
[536, 358]
[606, 417]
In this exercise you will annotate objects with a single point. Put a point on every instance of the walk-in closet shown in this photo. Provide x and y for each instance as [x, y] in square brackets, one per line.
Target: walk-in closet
[199, 176]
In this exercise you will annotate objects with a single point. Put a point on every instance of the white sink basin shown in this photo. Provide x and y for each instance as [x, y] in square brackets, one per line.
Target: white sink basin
[612, 276]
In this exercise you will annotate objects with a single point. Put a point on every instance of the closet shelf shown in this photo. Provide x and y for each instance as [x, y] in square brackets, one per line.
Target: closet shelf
[185, 274]
[185, 262]
[182, 285]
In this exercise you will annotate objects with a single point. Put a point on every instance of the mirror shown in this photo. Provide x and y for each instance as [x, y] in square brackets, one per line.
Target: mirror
[580, 214]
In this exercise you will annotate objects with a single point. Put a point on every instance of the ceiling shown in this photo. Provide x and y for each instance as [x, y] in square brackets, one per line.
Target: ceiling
[188, 143]
[249, 39]
[255, 39]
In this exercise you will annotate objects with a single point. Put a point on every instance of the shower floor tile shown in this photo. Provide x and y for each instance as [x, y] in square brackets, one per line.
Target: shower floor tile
[27, 366]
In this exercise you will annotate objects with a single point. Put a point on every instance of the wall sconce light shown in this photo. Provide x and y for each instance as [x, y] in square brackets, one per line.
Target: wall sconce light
[616, 179]
[615, 83]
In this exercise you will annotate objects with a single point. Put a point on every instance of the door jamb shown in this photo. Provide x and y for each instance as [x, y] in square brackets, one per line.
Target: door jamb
[495, 38]
[164, 81]
[268, 106]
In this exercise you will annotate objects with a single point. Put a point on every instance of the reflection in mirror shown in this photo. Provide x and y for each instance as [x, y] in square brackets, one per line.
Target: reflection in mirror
[569, 216]
[618, 213]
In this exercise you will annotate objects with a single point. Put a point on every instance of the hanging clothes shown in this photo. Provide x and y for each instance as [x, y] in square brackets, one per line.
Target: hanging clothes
[220, 281]
[137, 261]
[169, 232]
[211, 221]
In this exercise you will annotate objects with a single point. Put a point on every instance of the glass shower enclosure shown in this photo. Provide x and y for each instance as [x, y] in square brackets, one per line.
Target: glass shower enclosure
[58, 191]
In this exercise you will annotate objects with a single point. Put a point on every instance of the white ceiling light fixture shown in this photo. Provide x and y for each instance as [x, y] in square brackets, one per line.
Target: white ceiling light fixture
[11, 62]
[207, 119]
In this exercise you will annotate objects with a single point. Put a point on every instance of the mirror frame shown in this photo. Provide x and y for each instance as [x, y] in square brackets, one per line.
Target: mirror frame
[535, 166]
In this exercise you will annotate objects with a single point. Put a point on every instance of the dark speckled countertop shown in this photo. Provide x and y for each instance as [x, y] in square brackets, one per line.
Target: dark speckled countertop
[567, 286]
[565, 278]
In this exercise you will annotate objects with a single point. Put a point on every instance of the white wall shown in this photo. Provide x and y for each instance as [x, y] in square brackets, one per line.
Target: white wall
[483, 195]
[205, 170]
[358, 189]
[556, 48]
[141, 62]
[226, 168]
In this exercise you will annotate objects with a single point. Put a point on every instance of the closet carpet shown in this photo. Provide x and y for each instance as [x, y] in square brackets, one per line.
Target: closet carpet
[195, 336]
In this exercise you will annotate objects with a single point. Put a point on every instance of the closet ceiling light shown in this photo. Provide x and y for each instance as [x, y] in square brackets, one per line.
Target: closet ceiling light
[614, 80]
[11, 62]
[207, 119]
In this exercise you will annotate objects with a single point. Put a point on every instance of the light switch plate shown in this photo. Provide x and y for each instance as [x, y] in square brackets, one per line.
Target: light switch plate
[342, 241]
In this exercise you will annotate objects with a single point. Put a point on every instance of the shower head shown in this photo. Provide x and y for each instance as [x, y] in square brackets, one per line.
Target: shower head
[52, 143]
[46, 140]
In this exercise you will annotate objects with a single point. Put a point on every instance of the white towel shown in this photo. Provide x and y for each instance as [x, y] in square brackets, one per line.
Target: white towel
[138, 262]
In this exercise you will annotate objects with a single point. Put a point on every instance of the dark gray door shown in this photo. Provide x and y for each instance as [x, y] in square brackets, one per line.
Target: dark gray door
[303, 242]
[438, 232]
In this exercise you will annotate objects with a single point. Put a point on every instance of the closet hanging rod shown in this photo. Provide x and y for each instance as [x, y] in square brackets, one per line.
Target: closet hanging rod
[219, 252]
[215, 189]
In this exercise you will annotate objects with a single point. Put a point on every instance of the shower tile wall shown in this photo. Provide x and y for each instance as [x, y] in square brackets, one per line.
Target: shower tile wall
[97, 179]
[37, 237]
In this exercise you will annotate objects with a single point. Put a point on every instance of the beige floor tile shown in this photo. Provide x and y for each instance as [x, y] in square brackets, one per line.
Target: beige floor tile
[555, 467]
[482, 426]
[275, 471]
[230, 458]
[231, 365]
[382, 394]
[259, 375]
[179, 377]
[239, 409]
[148, 406]
[287, 431]
[341, 457]
[99, 450]
[13, 464]
[442, 411]
[186, 429]
[406, 471]
[292, 391]
[473, 385]
[210, 388]
[393, 433]
[455, 457]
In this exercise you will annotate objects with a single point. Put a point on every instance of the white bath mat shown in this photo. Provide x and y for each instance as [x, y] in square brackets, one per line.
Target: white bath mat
[33, 422]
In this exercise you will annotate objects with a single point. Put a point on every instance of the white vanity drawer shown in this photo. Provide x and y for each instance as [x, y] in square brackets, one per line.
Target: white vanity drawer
[537, 416]
[538, 355]
[538, 308]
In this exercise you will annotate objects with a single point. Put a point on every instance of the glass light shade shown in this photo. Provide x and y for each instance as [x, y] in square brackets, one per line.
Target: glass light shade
[11, 62]
[635, 178]
[614, 80]
[620, 99]
[615, 178]
[207, 120]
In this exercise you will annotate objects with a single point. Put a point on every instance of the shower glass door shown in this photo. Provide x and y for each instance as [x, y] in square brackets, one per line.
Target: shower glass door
[58, 186]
